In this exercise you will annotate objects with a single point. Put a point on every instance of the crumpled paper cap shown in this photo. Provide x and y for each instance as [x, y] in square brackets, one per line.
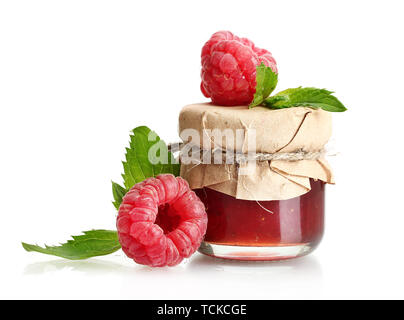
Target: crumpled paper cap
[283, 130]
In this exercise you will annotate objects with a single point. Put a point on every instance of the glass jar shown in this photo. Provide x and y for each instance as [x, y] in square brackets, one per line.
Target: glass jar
[263, 230]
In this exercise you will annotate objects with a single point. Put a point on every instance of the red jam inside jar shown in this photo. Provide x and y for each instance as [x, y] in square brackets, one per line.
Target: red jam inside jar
[264, 230]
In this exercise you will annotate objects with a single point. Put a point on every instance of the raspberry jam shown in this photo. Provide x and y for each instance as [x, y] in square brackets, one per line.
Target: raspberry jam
[264, 230]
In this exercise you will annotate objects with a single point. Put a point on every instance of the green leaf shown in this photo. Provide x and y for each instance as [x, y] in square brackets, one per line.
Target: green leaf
[147, 156]
[118, 193]
[266, 83]
[91, 244]
[305, 97]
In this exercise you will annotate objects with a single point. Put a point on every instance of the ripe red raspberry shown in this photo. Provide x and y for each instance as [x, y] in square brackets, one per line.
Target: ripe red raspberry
[229, 68]
[161, 221]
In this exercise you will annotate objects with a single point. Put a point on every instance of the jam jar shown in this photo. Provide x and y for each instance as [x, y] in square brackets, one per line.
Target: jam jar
[263, 230]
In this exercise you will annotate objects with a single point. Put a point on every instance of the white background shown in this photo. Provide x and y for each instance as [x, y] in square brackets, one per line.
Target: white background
[77, 76]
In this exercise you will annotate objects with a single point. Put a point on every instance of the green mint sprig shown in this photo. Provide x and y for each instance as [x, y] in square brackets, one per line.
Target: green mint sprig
[139, 165]
[305, 97]
[91, 244]
[310, 97]
[266, 83]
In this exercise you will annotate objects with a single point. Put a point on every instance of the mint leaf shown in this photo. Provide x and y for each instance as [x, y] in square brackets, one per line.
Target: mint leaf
[92, 243]
[305, 97]
[141, 164]
[147, 156]
[118, 192]
[266, 83]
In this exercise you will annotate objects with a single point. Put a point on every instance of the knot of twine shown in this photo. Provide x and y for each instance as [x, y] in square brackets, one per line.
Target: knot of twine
[195, 153]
